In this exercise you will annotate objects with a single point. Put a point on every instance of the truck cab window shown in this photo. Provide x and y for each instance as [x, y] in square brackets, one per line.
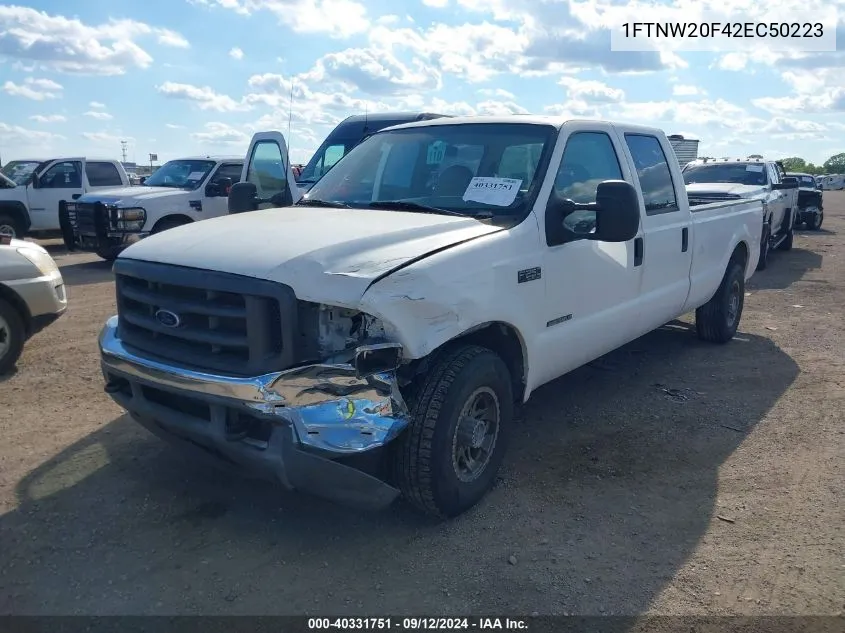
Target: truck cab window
[653, 173]
[102, 174]
[267, 170]
[65, 175]
[588, 159]
[331, 155]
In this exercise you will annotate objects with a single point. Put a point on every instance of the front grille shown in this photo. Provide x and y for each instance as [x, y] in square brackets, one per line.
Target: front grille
[91, 218]
[226, 323]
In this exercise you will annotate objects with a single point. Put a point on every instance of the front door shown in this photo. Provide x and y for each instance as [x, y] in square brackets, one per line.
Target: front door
[592, 288]
[267, 167]
[217, 204]
[60, 181]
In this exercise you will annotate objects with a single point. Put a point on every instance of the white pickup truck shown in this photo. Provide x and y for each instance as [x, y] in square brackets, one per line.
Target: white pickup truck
[708, 180]
[374, 338]
[32, 189]
[179, 192]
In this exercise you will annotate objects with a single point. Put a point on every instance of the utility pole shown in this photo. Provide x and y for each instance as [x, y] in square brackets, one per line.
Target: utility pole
[123, 145]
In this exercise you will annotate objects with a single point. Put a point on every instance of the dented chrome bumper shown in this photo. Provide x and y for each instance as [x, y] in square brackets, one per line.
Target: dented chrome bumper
[304, 418]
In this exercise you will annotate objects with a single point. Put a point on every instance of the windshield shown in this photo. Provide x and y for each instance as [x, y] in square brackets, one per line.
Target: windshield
[468, 169]
[180, 174]
[734, 173]
[808, 181]
[325, 158]
[20, 171]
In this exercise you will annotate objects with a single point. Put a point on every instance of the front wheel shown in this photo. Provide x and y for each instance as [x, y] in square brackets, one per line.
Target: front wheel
[718, 319]
[12, 336]
[448, 457]
[786, 244]
[109, 253]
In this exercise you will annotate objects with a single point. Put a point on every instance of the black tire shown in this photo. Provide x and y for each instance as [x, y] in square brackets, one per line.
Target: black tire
[786, 244]
[12, 336]
[426, 468]
[10, 225]
[763, 261]
[718, 319]
[109, 253]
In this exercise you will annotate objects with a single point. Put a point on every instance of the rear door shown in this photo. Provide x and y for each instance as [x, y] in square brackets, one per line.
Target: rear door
[779, 198]
[666, 253]
[61, 180]
[267, 166]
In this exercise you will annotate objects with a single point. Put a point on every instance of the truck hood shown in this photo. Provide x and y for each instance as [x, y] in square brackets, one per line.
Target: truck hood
[125, 196]
[743, 191]
[325, 255]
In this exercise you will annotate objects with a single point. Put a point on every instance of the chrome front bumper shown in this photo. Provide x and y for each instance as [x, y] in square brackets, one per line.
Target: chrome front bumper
[312, 416]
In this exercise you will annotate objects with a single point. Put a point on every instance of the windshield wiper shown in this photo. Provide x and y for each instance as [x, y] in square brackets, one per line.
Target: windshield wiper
[404, 205]
[312, 202]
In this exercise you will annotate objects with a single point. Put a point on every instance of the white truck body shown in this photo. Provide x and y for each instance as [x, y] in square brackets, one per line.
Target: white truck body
[359, 275]
[749, 179]
[32, 205]
[181, 191]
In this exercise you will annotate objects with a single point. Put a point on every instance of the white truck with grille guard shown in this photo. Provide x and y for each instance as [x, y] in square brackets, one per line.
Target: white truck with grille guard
[179, 192]
[374, 338]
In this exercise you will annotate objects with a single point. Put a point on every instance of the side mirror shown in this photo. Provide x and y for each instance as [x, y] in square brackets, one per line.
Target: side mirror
[282, 199]
[142, 180]
[218, 188]
[613, 217]
[243, 196]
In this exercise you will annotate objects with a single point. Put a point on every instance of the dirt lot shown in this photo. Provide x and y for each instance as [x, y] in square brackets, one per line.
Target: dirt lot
[669, 477]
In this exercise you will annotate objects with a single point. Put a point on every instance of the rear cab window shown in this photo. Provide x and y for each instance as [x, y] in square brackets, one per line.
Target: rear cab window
[654, 173]
[102, 174]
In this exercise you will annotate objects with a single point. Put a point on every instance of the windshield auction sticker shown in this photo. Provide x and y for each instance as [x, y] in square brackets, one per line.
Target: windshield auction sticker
[500, 192]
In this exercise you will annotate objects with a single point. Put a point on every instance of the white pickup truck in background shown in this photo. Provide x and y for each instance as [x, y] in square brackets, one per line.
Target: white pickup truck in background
[374, 338]
[179, 192]
[708, 180]
[32, 189]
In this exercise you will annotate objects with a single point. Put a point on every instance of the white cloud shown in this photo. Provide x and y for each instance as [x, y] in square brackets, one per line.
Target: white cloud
[236, 53]
[335, 18]
[496, 92]
[204, 96]
[173, 126]
[66, 44]
[104, 138]
[387, 20]
[591, 91]
[217, 133]
[16, 135]
[48, 118]
[101, 116]
[437, 4]
[96, 105]
[35, 89]
[686, 90]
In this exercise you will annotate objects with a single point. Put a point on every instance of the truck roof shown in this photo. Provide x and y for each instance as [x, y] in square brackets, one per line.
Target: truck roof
[217, 157]
[43, 160]
[702, 161]
[378, 117]
[531, 119]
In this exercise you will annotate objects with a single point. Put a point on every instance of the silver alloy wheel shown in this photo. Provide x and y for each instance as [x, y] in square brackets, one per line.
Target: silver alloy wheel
[5, 337]
[476, 434]
[8, 229]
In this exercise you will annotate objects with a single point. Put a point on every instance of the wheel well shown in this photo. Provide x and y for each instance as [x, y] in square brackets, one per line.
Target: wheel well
[740, 254]
[12, 298]
[504, 340]
[175, 219]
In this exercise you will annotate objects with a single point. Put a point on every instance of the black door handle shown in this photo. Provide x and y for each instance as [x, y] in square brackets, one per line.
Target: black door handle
[76, 196]
[639, 247]
[684, 239]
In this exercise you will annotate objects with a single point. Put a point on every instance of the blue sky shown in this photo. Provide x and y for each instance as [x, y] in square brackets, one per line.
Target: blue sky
[180, 77]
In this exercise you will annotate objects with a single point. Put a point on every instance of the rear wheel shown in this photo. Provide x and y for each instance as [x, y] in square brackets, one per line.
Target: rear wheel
[718, 319]
[763, 261]
[12, 336]
[10, 226]
[450, 454]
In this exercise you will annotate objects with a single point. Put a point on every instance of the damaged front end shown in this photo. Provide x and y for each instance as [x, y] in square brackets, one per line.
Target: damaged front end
[319, 427]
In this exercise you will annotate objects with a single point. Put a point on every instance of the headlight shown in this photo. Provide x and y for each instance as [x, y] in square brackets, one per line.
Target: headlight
[42, 261]
[131, 219]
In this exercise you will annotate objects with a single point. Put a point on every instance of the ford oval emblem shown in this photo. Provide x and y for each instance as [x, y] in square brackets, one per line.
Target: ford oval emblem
[168, 318]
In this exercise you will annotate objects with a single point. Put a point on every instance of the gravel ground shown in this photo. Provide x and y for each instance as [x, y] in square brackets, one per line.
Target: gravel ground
[670, 477]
